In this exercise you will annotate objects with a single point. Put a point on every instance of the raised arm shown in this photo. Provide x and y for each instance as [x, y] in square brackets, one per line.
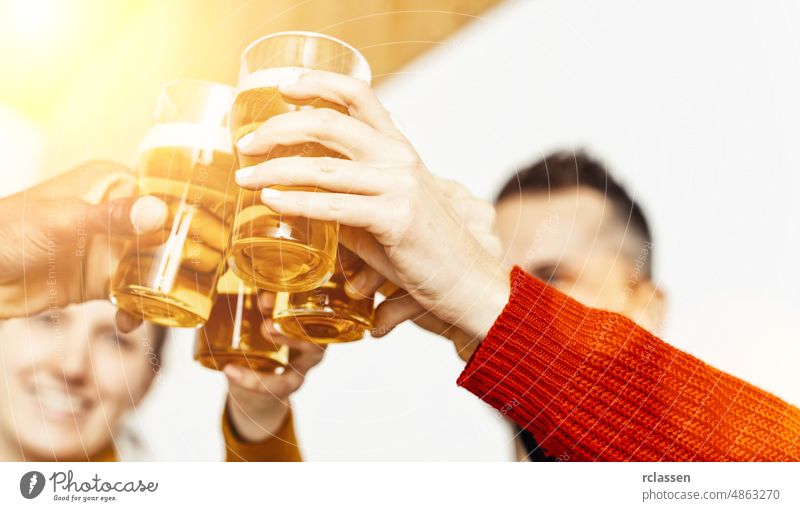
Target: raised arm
[590, 384]
[593, 385]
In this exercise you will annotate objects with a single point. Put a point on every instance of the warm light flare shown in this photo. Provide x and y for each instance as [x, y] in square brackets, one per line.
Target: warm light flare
[36, 21]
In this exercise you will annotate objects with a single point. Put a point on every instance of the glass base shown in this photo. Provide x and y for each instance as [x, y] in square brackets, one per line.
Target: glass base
[155, 307]
[321, 329]
[259, 361]
[280, 265]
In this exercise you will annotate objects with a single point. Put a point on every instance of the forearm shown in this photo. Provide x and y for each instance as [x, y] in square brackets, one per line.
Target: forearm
[592, 385]
[481, 297]
[279, 445]
[256, 424]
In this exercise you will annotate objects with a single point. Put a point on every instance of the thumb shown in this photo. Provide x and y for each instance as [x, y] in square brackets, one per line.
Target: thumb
[127, 217]
[396, 309]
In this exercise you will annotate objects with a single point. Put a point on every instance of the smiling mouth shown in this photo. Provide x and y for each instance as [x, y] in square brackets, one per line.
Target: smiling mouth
[59, 405]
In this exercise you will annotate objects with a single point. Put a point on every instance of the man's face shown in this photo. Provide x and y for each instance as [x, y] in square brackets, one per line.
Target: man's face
[571, 239]
[68, 377]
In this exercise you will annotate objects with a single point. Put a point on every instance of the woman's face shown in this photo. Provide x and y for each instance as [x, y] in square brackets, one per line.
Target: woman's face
[66, 379]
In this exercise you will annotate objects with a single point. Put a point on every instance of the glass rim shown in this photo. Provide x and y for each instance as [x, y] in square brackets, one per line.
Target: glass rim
[307, 33]
[210, 101]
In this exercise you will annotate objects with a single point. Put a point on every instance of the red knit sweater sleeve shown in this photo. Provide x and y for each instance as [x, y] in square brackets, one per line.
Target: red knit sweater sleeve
[592, 385]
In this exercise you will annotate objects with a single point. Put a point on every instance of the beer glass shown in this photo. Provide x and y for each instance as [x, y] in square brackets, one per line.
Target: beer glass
[269, 250]
[233, 332]
[326, 314]
[185, 159]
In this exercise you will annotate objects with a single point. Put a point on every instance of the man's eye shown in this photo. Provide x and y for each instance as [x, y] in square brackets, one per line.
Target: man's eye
[548, 275]
[551, 274]
[555, 278]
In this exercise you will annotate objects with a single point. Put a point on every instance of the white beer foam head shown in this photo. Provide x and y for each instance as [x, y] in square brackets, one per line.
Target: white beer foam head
[271, 77]
[185, 134]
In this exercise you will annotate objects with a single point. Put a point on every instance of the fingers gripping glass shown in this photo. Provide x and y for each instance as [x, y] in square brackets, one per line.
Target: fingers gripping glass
[269, 250]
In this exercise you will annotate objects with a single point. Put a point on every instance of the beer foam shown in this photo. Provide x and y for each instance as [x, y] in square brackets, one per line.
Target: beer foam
[185, 134]
[271, 77]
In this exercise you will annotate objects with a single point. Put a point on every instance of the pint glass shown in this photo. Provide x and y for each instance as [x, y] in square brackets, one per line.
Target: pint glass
[269, 250]
[326, 314]
[233, 332]
[185, 159]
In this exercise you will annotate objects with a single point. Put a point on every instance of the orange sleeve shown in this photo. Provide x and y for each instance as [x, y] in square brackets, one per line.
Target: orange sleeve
[592, 385]
[280, 447]
[108, 454]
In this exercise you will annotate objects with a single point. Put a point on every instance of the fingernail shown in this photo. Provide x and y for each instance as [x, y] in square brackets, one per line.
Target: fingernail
[245, 141]
[233, 371]
[126, 323]
[270, 194]
[379, 332]
[291, 79]
[148, 214]
[288, 82]
[242, 175]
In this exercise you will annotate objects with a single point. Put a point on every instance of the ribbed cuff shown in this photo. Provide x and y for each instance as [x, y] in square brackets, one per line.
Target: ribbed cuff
[592, 385]
[529, 355]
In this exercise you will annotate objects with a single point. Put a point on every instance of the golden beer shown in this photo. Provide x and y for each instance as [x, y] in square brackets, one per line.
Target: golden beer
[233, 332]
[269, 250]
[169, 277]
[326, 314]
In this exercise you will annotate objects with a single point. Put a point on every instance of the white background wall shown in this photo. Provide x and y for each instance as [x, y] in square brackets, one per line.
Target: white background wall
[693, 104]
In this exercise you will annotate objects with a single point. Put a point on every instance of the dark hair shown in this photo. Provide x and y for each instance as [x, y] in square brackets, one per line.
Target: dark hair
[569, 169]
